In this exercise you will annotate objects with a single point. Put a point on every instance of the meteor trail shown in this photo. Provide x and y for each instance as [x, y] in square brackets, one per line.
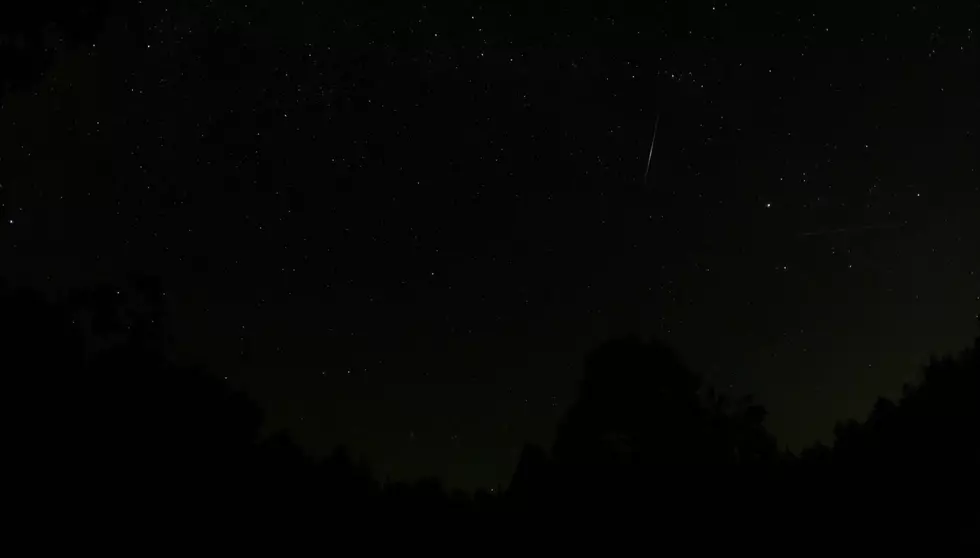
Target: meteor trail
[652, 142]
[824, 232]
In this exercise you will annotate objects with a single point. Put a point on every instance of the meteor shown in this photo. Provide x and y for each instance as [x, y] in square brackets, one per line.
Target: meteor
[652, 143]
[846, 230]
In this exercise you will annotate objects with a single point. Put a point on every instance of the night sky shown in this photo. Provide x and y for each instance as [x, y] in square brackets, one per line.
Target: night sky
[400, 226]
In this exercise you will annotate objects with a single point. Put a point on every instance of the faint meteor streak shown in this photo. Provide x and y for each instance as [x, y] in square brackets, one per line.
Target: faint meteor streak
[652, 143]
[824, 232]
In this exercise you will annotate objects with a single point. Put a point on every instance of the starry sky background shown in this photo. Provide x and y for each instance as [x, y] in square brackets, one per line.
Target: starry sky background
[401, 225]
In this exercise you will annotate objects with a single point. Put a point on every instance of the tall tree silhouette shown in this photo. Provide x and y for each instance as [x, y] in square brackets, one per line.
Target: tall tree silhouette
[647, 433]
[912, 466]
[637, 404]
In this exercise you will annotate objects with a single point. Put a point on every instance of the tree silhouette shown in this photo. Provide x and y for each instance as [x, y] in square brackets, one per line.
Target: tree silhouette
[646, 433]
[912, 465]
[637, 404]
[100, 412]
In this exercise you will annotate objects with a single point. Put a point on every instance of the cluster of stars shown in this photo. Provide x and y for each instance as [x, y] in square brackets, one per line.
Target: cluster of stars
[353, 187]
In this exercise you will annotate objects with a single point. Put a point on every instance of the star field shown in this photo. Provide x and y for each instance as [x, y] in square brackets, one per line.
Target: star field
[401, 227]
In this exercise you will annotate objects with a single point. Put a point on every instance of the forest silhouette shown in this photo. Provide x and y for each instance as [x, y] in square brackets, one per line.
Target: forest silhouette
[108, 434]
[107, 428]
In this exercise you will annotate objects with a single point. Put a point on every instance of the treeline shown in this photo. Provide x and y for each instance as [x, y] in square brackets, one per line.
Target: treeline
[105, 428]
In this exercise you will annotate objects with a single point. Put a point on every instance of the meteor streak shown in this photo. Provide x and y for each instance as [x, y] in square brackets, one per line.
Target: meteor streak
[652, 143]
